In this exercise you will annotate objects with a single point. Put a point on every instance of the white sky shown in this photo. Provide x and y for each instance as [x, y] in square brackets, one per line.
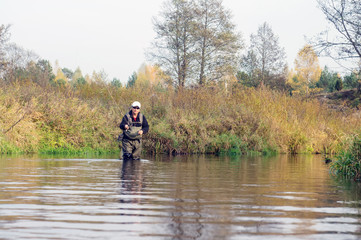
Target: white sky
[113, 35]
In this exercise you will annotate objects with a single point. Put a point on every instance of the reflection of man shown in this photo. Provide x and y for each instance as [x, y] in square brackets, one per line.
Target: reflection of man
[134, 125]
[132, 182]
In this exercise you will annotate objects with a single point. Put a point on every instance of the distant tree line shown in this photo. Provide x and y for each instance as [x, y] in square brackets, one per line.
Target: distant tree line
[196, 44]
[18, 65]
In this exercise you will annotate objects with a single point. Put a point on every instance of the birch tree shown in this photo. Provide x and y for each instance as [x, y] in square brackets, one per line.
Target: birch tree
[267, 56]
[4, 38]
[195, 41]
[172, 48]
[217, 43]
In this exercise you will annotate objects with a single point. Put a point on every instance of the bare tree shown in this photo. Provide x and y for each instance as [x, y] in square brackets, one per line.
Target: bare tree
[249, 64]
[195, 41]
[16, 59]
[4, 38]
[266, 55]
[172, 48]
[345, 16]
[217, 44]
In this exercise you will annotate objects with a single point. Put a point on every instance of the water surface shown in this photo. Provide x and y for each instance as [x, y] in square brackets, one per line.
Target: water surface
[193, 197]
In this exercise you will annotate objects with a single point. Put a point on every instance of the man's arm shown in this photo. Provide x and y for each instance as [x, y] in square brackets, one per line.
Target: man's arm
[124, 123]
[145, 126]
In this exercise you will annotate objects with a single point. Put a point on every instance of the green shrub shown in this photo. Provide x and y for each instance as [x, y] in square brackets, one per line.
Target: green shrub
[227, 143]
[348, 163]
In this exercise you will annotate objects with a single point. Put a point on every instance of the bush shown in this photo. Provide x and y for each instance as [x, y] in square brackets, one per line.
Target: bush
[227, 143]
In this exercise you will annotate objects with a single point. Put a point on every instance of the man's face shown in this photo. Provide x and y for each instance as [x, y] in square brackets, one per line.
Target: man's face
[135, 110]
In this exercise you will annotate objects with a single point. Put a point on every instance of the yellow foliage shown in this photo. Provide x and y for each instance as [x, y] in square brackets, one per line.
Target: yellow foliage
[77, 74]
[87, 78]
[99, 77]
[16, 121]
[60, 77]
[150, 76]
[307, 71]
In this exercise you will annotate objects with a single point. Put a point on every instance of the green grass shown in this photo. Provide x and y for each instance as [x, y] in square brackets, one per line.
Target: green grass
[348, 161]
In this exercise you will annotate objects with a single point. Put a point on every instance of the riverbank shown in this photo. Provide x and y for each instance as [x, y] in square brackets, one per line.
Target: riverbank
[201, 120]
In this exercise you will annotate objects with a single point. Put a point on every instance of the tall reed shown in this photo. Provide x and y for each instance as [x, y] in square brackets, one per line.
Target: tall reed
[348, 161]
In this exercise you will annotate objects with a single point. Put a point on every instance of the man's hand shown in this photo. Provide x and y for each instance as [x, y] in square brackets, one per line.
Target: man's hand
[140, 132]
[126, 127]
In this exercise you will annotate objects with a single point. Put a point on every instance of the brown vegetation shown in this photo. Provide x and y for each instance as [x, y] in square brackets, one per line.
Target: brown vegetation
[200, 120]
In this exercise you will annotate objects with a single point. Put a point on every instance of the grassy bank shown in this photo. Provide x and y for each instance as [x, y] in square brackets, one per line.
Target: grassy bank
[53, 121]
[247, 119]
[202, 120]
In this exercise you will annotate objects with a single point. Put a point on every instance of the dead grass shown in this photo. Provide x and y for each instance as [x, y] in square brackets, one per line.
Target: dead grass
[194, 120]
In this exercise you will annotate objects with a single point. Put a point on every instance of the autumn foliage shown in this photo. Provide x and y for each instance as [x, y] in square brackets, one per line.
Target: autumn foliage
[307, 72]
[211, 119]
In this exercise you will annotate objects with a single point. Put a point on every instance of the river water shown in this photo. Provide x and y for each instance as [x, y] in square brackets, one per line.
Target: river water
[183, 197]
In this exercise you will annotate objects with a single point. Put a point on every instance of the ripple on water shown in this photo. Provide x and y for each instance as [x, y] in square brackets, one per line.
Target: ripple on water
[182, 198]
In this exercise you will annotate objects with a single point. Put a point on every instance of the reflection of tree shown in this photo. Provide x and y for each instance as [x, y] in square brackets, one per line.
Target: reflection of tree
[132, 182]
[186, 217]
[200, 197]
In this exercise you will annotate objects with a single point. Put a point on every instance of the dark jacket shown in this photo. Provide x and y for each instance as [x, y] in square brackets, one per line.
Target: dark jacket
[144, 125]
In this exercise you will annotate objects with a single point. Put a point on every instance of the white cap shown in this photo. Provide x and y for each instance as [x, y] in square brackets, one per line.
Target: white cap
[136, 104]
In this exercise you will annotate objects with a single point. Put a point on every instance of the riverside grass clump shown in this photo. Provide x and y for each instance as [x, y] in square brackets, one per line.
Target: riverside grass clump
[348, 161]
[215, 120]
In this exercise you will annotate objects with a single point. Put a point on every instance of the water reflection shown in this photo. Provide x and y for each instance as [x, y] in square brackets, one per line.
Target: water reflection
[186, 213]
[183, 197]
[132, 181]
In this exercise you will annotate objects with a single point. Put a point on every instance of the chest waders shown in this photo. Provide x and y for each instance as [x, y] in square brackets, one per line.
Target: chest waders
[131, 145]
[134, 127]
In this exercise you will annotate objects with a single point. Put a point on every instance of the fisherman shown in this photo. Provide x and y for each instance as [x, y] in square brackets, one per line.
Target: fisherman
[134, 126]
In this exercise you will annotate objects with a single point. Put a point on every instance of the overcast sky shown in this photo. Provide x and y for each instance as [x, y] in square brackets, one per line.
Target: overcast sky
[113, 35]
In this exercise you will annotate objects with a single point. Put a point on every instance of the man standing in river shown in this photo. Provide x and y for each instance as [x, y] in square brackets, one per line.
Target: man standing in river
[134, 125]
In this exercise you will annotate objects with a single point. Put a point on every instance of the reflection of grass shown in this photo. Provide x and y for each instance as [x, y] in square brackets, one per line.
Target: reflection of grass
[351, 191]
[203, 120]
